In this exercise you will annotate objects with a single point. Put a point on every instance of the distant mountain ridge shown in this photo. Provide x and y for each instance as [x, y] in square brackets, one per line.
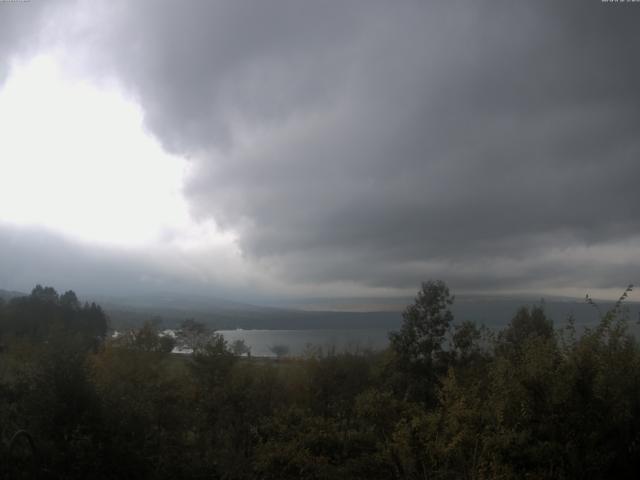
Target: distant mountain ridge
[224, 314]
[9, 294]
[492, 311]
[385, 313]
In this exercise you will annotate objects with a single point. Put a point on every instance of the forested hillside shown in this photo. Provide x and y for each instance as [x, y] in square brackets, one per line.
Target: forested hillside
[446, 400]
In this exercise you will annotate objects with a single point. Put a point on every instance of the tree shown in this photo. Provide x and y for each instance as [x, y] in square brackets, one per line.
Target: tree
[44, 313]
[279, 350]
[426, 323]
[418, 346]
[212, 361]
[70, 300]
[45, 294]
[527, 323]
[466, 341]
[193, 334]
[146, 339]
[239, 348]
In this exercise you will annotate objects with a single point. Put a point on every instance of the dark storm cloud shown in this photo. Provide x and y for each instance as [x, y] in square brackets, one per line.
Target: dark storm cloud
[490, 143]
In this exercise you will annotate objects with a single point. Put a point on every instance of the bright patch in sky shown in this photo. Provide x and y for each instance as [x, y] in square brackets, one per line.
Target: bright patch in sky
[76, 159]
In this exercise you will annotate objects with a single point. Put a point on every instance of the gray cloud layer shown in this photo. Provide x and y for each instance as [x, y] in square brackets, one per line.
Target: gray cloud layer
[30, 255]
[491, 143]
[19, 24]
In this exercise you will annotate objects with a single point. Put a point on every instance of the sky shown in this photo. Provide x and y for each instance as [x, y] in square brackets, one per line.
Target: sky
[284, 149]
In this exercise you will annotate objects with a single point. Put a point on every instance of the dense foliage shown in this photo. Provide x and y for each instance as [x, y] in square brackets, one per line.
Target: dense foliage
[446, 400]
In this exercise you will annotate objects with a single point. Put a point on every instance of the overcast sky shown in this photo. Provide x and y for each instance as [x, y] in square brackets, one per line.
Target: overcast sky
[320, 148]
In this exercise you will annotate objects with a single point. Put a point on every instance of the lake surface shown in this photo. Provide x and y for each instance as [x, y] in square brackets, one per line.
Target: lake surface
[300, 342]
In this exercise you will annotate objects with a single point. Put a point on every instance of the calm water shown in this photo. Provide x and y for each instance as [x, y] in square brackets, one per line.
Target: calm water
[300, 341]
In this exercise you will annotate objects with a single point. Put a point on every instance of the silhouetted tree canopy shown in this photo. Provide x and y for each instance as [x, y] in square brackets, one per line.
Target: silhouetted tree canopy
[446, 400]
[527, 323]
[44, 312]
[420, 344]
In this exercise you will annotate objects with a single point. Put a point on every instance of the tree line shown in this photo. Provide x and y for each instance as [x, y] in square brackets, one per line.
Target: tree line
[447, 399]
